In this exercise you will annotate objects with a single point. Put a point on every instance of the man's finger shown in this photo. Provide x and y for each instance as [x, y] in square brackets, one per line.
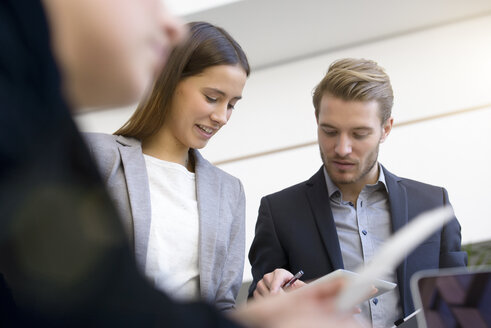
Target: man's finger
[297, 284]
[261, 288]
[257, 294]
[280, 278]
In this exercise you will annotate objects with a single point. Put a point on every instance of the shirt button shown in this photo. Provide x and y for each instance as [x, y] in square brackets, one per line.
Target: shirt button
[375, 301]
[364, 232]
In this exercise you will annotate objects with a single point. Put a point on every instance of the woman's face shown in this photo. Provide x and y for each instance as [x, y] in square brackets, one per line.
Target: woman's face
[203, 103]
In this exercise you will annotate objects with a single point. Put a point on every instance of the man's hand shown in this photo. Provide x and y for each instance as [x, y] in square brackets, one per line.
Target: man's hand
[272, 282]
[305, 307]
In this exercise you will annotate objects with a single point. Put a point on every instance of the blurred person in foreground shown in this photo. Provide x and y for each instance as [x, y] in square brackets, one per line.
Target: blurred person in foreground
[64, 257]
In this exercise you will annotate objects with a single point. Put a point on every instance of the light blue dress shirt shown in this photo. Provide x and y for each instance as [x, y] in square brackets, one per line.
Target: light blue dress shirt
[362, 229]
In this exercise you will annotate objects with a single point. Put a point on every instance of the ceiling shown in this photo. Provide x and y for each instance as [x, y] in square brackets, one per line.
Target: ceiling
[273, 32]
[185, 7]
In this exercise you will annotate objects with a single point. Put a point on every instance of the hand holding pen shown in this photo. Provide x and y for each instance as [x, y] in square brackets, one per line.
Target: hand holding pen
[276, 282]
[293, 279]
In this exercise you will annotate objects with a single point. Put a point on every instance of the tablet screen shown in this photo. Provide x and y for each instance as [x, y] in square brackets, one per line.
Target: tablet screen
[460, 299]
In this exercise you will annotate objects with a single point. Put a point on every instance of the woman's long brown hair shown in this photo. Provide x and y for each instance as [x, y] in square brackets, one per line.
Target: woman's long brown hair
[206, 45]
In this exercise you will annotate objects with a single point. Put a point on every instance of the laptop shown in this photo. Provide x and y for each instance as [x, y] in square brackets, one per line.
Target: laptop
[454, 298]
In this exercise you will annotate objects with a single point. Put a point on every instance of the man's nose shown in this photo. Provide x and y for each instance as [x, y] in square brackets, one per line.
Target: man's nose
[343, 146]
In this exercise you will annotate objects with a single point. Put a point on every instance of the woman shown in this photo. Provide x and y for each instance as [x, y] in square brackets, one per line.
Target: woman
[185, 217]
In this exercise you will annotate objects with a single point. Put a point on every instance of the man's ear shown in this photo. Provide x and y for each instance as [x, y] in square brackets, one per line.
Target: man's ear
[386, 128]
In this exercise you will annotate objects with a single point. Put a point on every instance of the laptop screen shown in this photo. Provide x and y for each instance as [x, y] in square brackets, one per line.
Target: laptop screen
[457, 298]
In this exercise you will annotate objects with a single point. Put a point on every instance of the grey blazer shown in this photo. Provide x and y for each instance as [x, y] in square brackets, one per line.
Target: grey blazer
[221, 208]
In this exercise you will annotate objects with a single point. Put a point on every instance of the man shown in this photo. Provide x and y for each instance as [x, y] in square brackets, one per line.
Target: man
[64, 257]
[343, 213]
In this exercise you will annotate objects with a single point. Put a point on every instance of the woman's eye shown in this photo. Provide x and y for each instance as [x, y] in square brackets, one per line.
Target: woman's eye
[210, 99]
[231, 106]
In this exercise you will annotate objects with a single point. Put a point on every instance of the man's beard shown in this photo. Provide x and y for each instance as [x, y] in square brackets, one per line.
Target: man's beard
[372, 160]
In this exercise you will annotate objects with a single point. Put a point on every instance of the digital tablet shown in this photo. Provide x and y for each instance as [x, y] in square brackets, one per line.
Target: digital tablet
[382, 285]
[392, 252]
[453, 297]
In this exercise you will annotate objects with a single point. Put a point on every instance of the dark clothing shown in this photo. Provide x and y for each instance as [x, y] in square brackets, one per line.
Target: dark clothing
[64, 258]
[296, 231]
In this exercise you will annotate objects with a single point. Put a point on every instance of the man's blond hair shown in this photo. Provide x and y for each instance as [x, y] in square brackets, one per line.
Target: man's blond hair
[358, 80]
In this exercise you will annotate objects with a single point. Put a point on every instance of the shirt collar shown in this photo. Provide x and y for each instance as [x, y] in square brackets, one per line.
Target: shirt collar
[332, 188]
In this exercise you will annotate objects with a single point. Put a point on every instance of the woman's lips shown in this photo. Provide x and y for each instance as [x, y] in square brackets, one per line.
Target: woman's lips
[206, 132]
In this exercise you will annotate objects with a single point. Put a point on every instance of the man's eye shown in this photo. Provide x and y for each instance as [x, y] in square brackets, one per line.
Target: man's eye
[231, 106]
[330, 133]
[360, 135]
[210, 99]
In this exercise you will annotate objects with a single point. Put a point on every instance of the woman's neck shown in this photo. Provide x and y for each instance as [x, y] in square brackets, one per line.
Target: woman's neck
[166, 148]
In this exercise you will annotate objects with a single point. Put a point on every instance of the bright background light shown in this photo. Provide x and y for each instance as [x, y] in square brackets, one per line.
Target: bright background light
[185, 7]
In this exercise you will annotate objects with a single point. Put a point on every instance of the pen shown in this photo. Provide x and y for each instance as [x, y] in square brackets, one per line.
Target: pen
[293, 279]
[402, 320]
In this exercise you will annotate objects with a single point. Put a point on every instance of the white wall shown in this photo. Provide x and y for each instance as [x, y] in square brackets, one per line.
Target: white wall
[435, 71]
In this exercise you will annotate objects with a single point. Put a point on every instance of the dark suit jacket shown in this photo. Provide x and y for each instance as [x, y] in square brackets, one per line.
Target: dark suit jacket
[296, 231]
[64, 257]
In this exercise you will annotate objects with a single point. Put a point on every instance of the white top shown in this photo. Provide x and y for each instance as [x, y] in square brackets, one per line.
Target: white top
[172, 256]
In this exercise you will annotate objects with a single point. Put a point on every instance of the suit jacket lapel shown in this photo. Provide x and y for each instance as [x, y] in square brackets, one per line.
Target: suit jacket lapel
[138, 193]
[399, 215]
[321, 209]
[208, 196]
[397, 200]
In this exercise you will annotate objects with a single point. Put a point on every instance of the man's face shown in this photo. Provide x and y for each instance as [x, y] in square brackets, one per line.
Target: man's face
[349, 134]
[109, 51]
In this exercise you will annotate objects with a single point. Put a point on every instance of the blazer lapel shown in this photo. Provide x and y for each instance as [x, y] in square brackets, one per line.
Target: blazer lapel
[397, 200]
[208, 196]
[319, 203]
[139, 194]
[399, 215]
